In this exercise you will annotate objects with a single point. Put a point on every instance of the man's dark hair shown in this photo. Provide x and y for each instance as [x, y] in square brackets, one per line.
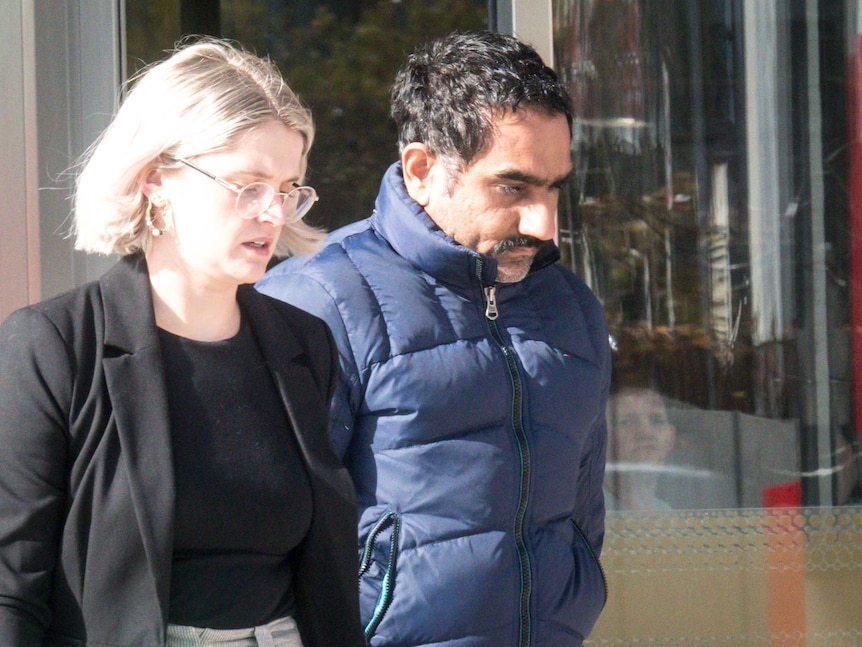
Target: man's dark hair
[451, 88]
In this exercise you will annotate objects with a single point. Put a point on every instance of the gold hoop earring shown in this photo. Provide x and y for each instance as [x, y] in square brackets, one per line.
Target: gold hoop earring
[151, 223]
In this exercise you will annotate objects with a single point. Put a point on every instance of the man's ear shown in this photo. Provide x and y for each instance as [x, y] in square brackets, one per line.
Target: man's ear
[416, 164]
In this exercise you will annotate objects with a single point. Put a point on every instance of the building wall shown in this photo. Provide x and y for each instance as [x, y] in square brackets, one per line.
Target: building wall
[19, 242]
[62, 72]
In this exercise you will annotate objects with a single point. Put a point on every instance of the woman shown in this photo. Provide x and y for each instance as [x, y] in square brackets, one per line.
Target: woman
[640, 437]
[165, 474]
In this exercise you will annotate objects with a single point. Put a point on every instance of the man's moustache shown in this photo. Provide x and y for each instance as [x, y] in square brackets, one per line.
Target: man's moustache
[517, 241]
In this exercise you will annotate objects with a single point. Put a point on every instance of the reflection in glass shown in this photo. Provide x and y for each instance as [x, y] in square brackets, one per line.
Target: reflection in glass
[701, 215]
[640, 437]
[710, 214]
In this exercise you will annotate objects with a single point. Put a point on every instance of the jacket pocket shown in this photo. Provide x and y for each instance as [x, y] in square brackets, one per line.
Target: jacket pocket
[377, 566]
[591, 575]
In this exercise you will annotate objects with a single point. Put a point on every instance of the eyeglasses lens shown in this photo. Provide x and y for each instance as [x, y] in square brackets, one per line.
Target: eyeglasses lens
[257, 197]
[300, 201]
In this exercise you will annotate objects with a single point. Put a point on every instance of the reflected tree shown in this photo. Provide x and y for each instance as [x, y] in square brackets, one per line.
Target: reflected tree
[340, 56]
[342, 63]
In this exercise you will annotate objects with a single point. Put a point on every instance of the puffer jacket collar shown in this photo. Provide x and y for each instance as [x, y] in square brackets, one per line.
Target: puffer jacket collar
[415, 237]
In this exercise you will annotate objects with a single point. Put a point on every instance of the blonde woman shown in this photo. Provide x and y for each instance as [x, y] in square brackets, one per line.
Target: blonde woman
[166, 477]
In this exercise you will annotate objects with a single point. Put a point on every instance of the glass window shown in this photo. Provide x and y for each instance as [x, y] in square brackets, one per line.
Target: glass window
[340, 57]
[712, 212]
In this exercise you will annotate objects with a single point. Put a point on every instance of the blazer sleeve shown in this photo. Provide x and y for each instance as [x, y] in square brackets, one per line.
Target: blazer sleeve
[35, 386]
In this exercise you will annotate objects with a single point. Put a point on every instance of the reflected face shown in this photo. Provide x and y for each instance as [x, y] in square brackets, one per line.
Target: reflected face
[638, 427]
[504, 203]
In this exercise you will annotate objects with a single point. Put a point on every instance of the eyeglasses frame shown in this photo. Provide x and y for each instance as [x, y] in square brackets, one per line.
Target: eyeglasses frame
[236, 189]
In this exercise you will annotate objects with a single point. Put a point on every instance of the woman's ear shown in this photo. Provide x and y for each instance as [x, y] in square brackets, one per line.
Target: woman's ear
[416, 164]
[150, 181]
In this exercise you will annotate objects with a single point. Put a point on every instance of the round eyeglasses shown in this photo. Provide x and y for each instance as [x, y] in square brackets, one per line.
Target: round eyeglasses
[254, 199]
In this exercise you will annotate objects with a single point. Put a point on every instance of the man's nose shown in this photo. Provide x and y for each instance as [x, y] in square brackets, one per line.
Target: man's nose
[539, 219]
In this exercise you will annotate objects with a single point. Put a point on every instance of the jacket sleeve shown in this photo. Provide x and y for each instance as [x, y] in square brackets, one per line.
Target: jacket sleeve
[308, 294]
[591, 517]
[35, 386]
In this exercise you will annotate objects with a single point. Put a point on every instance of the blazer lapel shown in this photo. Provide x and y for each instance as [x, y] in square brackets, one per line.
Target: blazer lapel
[134, 375]
[304, 399]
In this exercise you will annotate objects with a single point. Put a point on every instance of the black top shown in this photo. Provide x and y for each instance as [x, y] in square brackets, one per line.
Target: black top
[243, 499]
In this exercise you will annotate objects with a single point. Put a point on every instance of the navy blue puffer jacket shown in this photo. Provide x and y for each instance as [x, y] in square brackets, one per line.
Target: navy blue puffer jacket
[477, 445]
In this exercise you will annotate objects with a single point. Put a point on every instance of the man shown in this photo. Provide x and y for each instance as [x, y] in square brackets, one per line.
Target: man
[475, 368]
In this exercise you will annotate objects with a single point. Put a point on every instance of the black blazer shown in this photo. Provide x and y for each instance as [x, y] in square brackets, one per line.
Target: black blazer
[86, 478]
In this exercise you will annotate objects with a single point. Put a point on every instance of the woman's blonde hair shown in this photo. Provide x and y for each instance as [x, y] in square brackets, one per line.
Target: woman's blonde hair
[200, 100]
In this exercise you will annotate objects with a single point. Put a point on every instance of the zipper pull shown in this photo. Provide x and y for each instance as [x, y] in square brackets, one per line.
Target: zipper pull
[491, 298]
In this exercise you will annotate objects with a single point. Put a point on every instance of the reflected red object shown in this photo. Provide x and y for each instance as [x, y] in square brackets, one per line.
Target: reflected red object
[783, 495]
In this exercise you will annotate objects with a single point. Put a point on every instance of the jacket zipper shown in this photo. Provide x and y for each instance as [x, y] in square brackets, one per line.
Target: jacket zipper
[491, 299]
[385, 597]
[491, 314]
